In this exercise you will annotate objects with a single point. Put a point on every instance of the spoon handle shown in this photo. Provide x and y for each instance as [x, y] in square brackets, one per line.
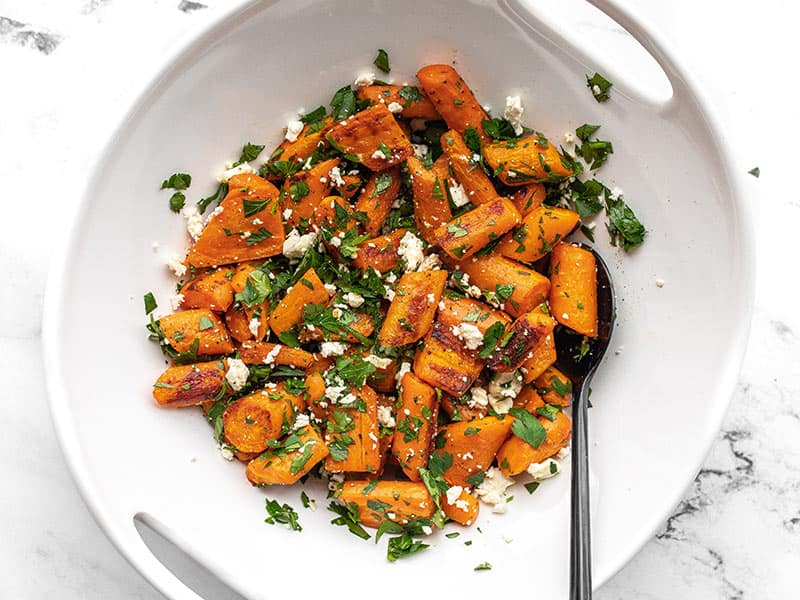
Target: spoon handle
[580, 561]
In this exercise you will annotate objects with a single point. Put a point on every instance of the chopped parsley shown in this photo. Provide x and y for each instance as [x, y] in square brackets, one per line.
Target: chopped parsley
[177, 181]
[382, 60]
[150, 303]
[599, 86]
[282, 514]
[527, 427]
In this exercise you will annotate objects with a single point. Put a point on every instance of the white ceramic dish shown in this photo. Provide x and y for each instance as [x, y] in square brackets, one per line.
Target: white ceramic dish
[657, 404]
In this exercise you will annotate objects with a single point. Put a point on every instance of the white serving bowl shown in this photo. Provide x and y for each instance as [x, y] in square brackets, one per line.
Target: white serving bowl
[657, 403]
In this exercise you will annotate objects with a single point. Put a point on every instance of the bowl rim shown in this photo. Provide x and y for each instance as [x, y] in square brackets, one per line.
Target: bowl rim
[185, 49]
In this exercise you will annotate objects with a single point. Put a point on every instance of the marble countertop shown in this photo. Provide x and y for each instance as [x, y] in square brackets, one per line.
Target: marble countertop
[68, 68]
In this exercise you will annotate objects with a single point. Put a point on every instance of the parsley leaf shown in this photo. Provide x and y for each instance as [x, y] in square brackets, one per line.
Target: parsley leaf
[149, 303]
[348, 517]
[531, 486]
[472, 139]
[755, 172]
[403, 545]
[219, 194]
[382, 61]
[490, 339]
[499, 129]
[527, 427]
[256, 290]
[343, 103]
[484, 566]
[354, 369]
[259, 236]
[623, 226]
[252, 207]
[249, 152]
[585, 131]
[205, 323]
[599, 86]
[177, 181]
[283, 514]
[314, 116]
[382, 183]
[409, 93]
[176, 201]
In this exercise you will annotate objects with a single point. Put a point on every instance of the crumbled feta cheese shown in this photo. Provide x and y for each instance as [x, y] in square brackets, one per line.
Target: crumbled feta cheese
[596, 90]
[237, 374]
[458, 194]
[660, 282]
[296, 245]
[405, 367]
[348, 398]
[334, 392]
[411, 250]
[492, 489]
[389, 295]
[507, 385]
[225, 452]
[176, 266]
[390, 277]
[336, 242]
[287, 213]
[418, 124]
[563, 453]
[176, 301]
[544, 470]
[616, 193]
[385, 418]
[293, 129]
[301, 421]
[353, 299]
[507, 538]
[420, 150]
[431, 262]
[469, 334]
[513, 113]
[431, 298]
[332, 349]
[442, 305]
[569, 138]
[323, 180]
[453, 493]
[272, 355]
[378, 362]
[330, 288]
[474, 291]
[395, 107]
[364, 79]
[479, 397]
[194, 221]
[337, 313]
[230, 171]
[378, 154]
[254, 326]
[336, 177]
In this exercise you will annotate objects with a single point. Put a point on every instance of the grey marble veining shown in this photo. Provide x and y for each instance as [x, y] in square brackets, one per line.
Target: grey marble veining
[735, 534]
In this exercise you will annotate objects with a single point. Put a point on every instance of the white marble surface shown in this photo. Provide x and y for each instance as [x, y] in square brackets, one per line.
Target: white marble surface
[69, 67]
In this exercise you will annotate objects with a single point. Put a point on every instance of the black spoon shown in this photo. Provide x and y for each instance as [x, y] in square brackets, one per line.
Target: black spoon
[580, 365]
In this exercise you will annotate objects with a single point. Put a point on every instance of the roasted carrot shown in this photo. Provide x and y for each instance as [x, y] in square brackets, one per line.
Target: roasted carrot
[444, 361]
[189, 385]
[181, 329]
[250, 422]
[309, 140]
[246, 323]
[528, 160]
[466, 166]
[466, 234]
[380, 253]
[416, 425]
[247, 225]
[542, 356]
[289, 312]
[254, 353]
[352, 434]
[431, 207]
[303, 191]
[538, 233]
[516, 455]
[520, 339]
[285, 465]
[464, 507]
[414, 102]
[554, 386]
[471, 448]
[372, 137]
[375, 200]
[452, 98]
[573, 295]
[528, 197]
[376, 501]
[211, 290]
[456, 311]
[513, 285]
[412, 310]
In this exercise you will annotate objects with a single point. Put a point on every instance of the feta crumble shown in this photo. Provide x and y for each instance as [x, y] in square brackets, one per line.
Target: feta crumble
[176, 301]
[378, 154]
[364, 79]
[336, 177]
[458, 194]
[272, 355]
[544, 470]
[385, 418]
[420, 150]
[660, 282]
[479, 397]
[395, 107]
[405, 367]
[378, 362]
[453, 493]
[296, 245]
[569, 138]
[230, 171]
[431, 262]
[194, 221]
[411, 250]
[253, 326]
[353, 299]
[301, 421]
[225, 452]
[332, 349]
[469, 334]
[237, 374]
[293, 129]
[176, 266]
[513, 113]
[287, 213]
[492, 489]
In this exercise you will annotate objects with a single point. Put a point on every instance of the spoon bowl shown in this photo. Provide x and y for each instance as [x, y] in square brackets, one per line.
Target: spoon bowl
[579, 357]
